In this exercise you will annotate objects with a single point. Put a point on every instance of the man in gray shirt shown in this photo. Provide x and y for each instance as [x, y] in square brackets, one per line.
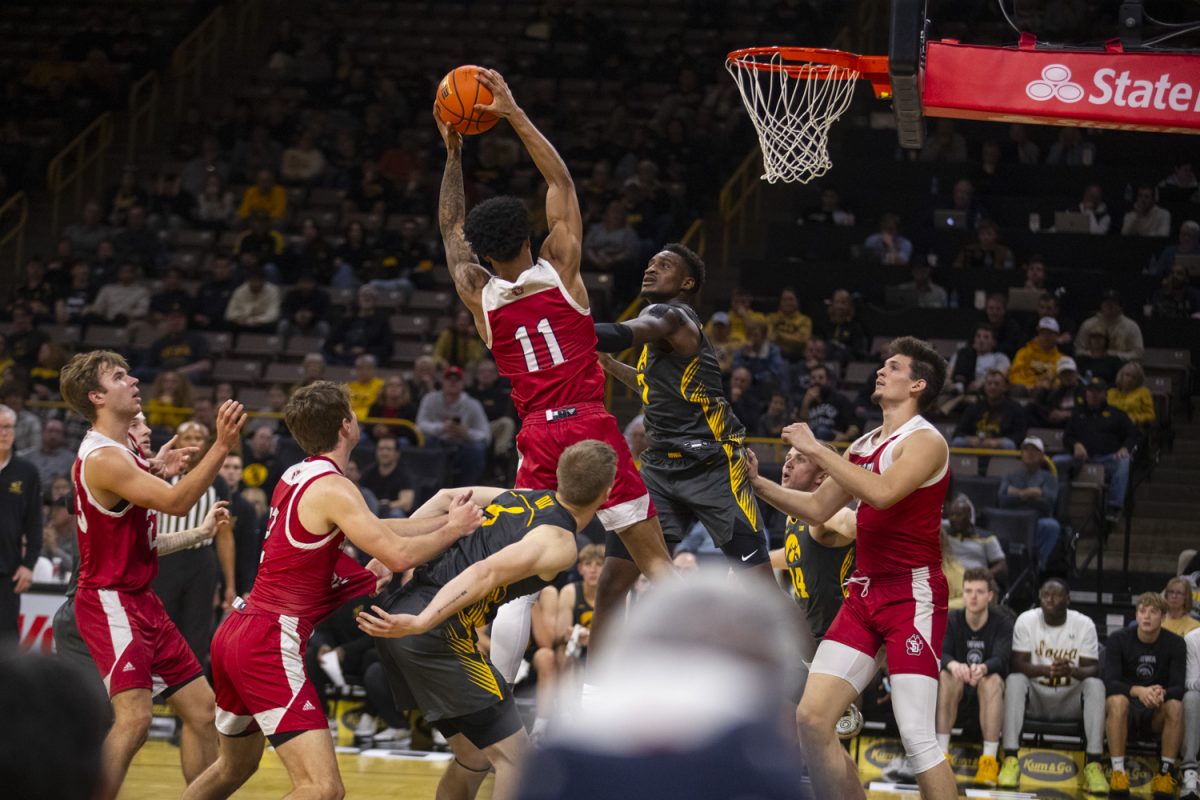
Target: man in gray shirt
[451, 418]
[53, 457]
[1031, 486]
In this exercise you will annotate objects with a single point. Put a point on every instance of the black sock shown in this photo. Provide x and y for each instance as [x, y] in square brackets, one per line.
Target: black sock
[1089, 758]
[1165, 767]
[1010, 753]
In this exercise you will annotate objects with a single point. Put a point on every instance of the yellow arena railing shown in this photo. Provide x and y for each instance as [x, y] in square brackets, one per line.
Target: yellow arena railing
[197, 55]
[143, 113]
[80, 162]
[14, 216]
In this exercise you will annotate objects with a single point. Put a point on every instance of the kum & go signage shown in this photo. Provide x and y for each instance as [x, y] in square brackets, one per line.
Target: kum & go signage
[1112, 89]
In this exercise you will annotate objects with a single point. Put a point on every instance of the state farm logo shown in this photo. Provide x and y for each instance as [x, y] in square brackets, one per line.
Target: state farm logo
[1056, 82]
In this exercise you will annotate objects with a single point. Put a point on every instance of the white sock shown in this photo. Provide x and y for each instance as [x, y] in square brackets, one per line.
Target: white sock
[1118, 763]
[991, 748]
[333, 668]
[1170, 762]
[539, 725]
[943, 740]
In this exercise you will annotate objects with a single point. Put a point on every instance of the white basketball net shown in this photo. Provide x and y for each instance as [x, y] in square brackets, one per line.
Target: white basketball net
[792, 114]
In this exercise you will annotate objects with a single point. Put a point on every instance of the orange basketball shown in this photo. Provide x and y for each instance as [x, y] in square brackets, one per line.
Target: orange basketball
[457, 95]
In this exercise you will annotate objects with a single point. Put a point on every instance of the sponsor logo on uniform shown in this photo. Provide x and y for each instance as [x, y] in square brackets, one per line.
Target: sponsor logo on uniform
[914, 645]
[128, 667]
[308, 706]
[15, 487]
[1046, 766]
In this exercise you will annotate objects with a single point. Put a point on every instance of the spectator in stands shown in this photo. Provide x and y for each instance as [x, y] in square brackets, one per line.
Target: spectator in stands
[264, 195]
[921, 291]
[58, 539]
[612, 245]
[86, 235]
[459, 344]
[172, 293]
[945, 145]
[215, 206]
[995, 421]
[830, 415]
[635, 436]
[138, 243]
[964, 198]
[496, 398]
[1096, 360]
[848, 339]
[104, 265]
[1145, 668]
[975, 655]
[208, 163]
[777, 417]
[121, 303]
[424, 378]
[1070, 149]
[52, 457]
[828, 212]
[73, 298]
[254, 306]
[1009, 337]
[1124, 335]
[1036, 364]
[973, 547]
[36, 292]
[170, 206]
[214, 295]
[1132, 396]
[717, 331]
[309, 253]
[1191, 718]
[1146, 218]
[1180, 185]
[887, 245]
[43, 378]
[352, 253]
[204, 410]
[1035, 272]
[247, 537]
[169, 404]
[365, 330]
[1101, 434]
[1092, 204]
[262, 469]
[1178, 596]
[259, 152]
[985, 252]
[1177, 299]
[125, 196]
[28, 431]
[365, 388]
[1055, 665]
[389, 480]
[1188, 245]
[762, 358]
[741, 314]
[394, 402]
[23, 340]
[1048, 306]
[306, 309]
[788, 327]
[743, 399]
[970, 365]
[260, 239]
[303, 163]
[453, 419]
[1032, 486]
[179, 349]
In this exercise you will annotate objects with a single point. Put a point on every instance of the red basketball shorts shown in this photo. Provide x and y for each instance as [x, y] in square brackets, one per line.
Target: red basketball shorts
[906, 614]
[134, 643]
[545, 434]
[259, 678]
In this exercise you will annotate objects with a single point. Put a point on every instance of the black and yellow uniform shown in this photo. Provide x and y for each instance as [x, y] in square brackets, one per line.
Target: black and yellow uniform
[818, 574]
[694, 467]
[442, 671]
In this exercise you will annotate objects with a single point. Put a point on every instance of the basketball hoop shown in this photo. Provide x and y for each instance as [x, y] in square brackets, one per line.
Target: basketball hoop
[794, 94]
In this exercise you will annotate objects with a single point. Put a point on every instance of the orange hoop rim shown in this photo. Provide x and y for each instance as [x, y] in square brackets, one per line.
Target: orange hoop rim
[816, 63]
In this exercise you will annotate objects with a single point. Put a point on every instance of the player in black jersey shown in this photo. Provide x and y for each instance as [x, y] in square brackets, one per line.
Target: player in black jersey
[695, 465]
[427, 639]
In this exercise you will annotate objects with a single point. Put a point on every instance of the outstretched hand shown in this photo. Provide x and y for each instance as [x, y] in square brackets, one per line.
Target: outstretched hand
[382, 574]
[218, 514]
[502, 104]
[751, 463]
[463, 516]
[451, 137]
[170, 461]
[800, 436]
[231, 418]
[383, 625]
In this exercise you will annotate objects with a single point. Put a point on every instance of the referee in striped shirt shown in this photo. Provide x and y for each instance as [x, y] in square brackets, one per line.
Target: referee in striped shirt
[187, 583]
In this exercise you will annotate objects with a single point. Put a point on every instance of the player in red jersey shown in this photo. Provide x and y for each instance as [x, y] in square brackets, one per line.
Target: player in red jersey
[135, 646]
[898, 595]
[535, 318]
[262, 691]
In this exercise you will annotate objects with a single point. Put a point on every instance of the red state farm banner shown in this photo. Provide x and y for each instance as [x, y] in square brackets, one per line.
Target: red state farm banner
[1127, 91]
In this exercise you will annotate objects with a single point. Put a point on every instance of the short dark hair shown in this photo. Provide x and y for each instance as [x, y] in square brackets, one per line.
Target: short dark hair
[81, 376]
[927, 366]
[695, 264]
[978, 574]
[314, 415]
[497, 228]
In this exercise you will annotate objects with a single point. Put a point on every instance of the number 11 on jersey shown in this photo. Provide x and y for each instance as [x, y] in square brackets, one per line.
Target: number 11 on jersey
[531, 360]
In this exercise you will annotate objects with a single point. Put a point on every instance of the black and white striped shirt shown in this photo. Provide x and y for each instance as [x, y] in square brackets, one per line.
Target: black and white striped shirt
[171, 524]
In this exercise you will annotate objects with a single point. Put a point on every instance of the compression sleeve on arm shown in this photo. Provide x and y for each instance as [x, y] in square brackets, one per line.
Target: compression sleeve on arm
[613, 337]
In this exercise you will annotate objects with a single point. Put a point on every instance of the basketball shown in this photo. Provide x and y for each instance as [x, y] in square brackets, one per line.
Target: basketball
[457, 95]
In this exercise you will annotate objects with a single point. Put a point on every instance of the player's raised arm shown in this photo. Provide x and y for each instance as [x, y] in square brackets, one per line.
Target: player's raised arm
[441, 502]
[564, 242]
[544, 551]
[656, 323]
[111, 471]
[917, 460]
[469, 277]
[814, 507]
[335, 501]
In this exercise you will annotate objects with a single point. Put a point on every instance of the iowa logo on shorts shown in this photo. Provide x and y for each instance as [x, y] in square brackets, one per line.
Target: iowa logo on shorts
[914, 645]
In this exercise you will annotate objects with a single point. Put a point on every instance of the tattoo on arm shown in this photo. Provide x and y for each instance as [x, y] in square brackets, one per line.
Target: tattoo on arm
[452, 213]
[450, 604]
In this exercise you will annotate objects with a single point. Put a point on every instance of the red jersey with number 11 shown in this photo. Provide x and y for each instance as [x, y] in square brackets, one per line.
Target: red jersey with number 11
[543, 341]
